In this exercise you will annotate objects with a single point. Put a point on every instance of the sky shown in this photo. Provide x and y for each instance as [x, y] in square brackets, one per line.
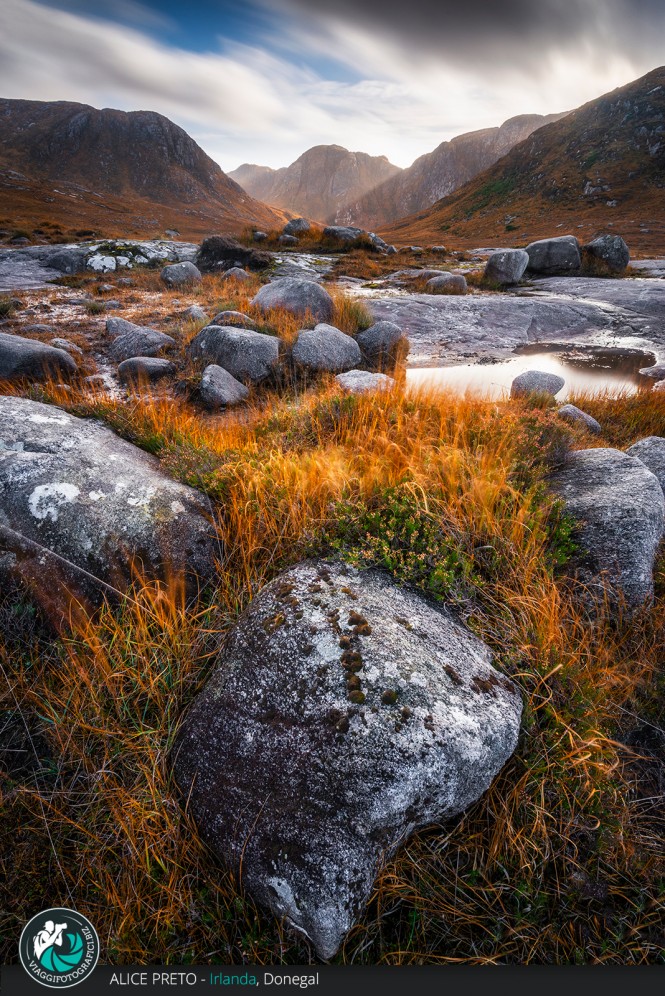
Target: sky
[261, 81]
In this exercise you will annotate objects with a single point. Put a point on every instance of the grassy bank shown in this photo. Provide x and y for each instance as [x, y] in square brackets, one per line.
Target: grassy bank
[560, 862]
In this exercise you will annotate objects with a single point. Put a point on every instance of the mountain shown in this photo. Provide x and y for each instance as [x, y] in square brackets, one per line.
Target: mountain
[600, 168]
[442, 171]
[319, 184]
[132, 172]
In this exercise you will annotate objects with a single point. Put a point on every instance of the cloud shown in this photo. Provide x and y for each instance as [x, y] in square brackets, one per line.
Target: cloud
[416, 75]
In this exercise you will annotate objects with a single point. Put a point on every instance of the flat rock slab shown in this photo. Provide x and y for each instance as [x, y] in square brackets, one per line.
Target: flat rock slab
[344, 713]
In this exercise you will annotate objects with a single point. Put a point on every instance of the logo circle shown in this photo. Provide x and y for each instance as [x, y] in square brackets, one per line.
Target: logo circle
[59, 948]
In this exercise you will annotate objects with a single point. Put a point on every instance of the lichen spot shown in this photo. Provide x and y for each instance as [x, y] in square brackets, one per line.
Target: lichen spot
[46, 499]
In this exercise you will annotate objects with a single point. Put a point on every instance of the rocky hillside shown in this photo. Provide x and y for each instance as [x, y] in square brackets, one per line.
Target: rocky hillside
[442, 171]
[320, 184]
[602, 167]
[133, 171]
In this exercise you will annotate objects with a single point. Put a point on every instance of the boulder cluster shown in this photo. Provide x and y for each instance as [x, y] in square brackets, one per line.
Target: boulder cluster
[560, 256]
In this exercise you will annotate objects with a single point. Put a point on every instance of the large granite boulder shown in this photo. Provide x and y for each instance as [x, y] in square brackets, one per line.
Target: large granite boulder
[139, 369]
[447, 283]
[554, 257]
[296, 226]
[620, 509]
[249, 356]
[26, 358]
[536, 382]
[135, 340]
[219, 389]
[221, 252]
[383, 345]
[612, 250]
[651, 451]
[344, 713]
[507, 266]
[325, 348]
[78, 505]
[296, 295]
[180, 274]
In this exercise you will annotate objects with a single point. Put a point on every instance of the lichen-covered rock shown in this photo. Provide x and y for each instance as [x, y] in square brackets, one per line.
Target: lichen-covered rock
[234, 319]
[620, 508]
[507, 266]
[552, 257]
[325, 348]
[144, 368]
[536, 382]
[219, 389]
[295, 226]
[296, 295]
[249, 356]
[383, 345]
[236, 273]
[195, 313]
[364, 382]
[287, 240]
[180, 274]
[612, 250]
[133, 340]
[655, 372]
[27, 358]
[345, 712]
[575, 415]
[651, 451]
[447, 283]
[72, 487]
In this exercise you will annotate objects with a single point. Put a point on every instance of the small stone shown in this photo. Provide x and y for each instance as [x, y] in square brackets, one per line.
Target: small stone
[148, 368]
[235, 273]
[364, 382]
[219, 389]
[195, 313]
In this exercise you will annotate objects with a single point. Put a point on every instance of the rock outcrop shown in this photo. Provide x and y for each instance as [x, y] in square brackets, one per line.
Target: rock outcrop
[344, 713]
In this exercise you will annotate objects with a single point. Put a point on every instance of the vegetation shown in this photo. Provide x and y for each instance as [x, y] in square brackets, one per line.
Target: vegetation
[560, 862]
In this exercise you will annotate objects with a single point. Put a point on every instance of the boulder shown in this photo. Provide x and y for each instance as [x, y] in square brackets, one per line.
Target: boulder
[195, 313]
[68, 260]
[35, 360]
[144, 368]
[325, 348]
[233, 318]
[38, 329]
[133, 340]
[260, 236]
[447, 283]
[536, 382]
[659, 386]
[364, 382]
[552, 257]
[69, 347]
[287, 240]
[249, 356]
[656, 372]
[77, 504]
[180, 274]
[651, 451]
[219, 389]
[575, 415]
[220, 252]
[383, 345]
[236, 273]
[612, 250]
[296, 226]
[343, 233]
[620, 509]
[506, 266]
[344, 713]
[297, 295]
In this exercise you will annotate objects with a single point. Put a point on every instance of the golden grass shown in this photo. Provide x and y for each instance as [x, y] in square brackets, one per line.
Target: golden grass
[552, 865]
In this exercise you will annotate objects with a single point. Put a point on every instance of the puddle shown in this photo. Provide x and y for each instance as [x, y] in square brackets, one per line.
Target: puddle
[611, 370]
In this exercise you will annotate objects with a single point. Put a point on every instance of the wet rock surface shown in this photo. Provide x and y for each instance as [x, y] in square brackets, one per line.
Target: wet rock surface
[344, 713]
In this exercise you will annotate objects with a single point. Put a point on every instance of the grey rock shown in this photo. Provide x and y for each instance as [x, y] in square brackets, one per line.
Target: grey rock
[364, 382]
[325, 348]
[612, 250]
[659, 386]
[310, 786]
[144, 368]
[447, 283]
[180, 274]
[297, 296]
[507, 266]
[195, 313]
[575, 415]
[75, 489]
[219, 389]
[288, 240]
[235, 273]
[134, 340]
[105, 288]
[343, 233]
[68, 260]
[236, 319]
[260, 236]
[656, 372]
[68, 346]
[28, 358]
[221, 251]
[383, 345]
[560, 255]
[536, 382]
[38, 329]
[620, 509]
[651, 451]
[249, 356]
[295, 226]
[125, 282]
